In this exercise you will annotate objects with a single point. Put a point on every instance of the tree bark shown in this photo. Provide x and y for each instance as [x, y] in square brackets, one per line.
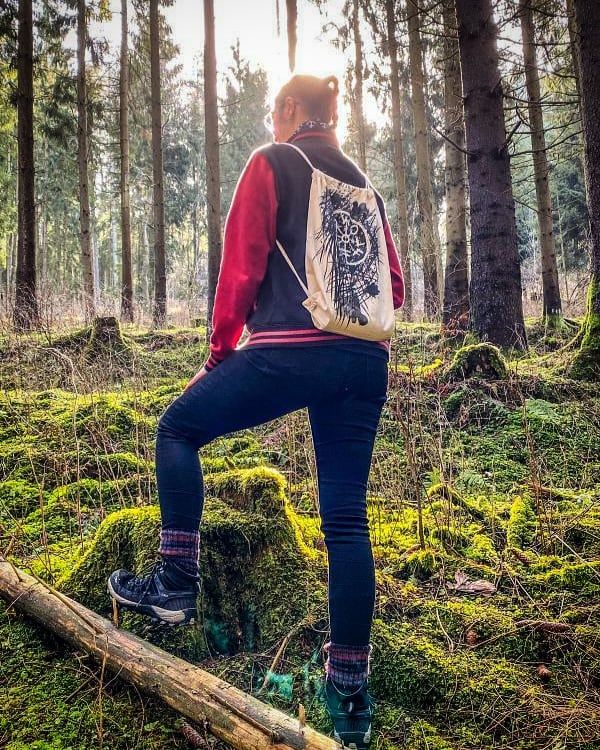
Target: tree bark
[292, 22]
[552, 311]
[211, 146]
[587, 19]
[231, 715]
[25, 313]
[126, 269]
[399, 157]
[427, 234]
[82, 163]
[159, 314]
[573, 46]
[359, 115]
[496, 304]
[456, 281]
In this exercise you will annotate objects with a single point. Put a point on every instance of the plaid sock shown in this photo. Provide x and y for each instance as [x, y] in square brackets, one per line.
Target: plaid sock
[347, 666]
[182, 547]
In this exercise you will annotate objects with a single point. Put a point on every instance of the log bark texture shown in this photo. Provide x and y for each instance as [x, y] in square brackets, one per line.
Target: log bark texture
[231, 714]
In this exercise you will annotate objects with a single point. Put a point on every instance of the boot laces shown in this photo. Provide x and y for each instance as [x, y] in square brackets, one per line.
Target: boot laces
[142, 583]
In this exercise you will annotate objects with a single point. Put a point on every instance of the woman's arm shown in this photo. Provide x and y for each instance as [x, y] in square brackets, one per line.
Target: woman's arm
[395, 268]
[249, 236]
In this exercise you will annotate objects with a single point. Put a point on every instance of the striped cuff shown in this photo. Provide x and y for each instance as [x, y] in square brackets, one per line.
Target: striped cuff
[179, 543]
[211, 363]
[347, 666]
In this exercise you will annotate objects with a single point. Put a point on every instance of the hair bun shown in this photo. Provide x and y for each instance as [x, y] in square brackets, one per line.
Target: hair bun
[332, 83]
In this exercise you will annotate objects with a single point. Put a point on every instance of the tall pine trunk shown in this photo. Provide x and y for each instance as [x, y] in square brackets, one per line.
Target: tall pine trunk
[292, 21]
[552, 303]
[126, 270]
[211, 146]
[587, 19]
[496, 303]
[456, 281]
[359, 115]
[159, 314]
[82, 164]
[399, 157]
[427, 233]
[25, 314]
[573, 46]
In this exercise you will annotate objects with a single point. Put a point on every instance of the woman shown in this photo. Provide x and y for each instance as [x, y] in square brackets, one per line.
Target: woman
[285, 364]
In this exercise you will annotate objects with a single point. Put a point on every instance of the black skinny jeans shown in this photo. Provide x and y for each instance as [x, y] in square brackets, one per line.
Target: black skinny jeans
[345, 391]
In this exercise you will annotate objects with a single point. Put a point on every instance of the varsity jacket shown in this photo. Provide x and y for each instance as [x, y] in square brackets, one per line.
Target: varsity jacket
[256, 289]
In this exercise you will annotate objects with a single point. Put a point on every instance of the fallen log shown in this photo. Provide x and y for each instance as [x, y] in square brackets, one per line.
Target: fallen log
[228, 713]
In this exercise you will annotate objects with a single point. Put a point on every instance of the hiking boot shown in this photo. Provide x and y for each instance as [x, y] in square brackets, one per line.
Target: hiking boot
[167, 593]
[351, 712]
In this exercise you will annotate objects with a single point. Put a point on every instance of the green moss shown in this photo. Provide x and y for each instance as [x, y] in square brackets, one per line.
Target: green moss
[522, 523]
[49, 700]
[257, 578]
[479, 360]
[260, 489]
[586, 363]
[18, 498]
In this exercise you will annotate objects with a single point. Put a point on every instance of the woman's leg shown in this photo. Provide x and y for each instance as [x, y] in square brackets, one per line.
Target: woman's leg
[242, 392]
[344, 432]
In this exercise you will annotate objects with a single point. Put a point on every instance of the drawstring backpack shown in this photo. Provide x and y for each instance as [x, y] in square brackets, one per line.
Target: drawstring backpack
[347, 268]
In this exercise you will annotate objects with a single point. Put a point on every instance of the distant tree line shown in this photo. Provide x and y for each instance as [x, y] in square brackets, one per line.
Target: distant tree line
[123, 171]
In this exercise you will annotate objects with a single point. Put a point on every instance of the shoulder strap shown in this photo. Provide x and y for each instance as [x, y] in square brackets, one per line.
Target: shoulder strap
[291, 265]
[311, 165]
[301, 152]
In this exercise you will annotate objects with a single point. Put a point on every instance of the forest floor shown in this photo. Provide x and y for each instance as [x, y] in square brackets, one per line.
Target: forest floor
[484, 507]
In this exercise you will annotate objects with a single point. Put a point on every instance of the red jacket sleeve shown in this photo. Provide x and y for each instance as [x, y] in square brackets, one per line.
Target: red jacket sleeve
[395, 269]
[249, 237]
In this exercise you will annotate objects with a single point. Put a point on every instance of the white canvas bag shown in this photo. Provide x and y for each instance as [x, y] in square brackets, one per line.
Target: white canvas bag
[347, 268]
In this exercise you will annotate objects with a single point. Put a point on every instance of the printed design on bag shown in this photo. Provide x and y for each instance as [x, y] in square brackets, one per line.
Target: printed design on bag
[348, 242]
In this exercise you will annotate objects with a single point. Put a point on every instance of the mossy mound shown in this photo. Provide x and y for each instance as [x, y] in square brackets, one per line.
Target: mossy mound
[476, 360]
[18, 498]
[258, 577]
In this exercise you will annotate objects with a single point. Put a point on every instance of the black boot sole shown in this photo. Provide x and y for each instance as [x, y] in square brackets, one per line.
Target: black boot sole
[170, 617]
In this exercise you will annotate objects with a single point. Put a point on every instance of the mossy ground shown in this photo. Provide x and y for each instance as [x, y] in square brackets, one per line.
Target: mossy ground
[498, 475]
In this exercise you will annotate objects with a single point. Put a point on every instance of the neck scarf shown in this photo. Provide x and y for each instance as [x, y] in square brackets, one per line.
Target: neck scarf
[310, 125]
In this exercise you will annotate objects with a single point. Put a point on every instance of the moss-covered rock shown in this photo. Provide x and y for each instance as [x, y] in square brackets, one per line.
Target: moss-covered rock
[19, 498]
[585, 365]
[477, 360]
[258, 579]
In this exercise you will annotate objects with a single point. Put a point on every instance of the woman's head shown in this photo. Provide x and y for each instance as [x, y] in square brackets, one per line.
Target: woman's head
[304, 97]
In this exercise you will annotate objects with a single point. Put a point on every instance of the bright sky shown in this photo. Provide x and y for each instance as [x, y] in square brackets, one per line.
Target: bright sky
[254, 22]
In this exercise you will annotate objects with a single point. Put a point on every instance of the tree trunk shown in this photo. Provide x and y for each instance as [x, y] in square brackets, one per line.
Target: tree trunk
[359, 115]
[82, 163]
[211, 146]
[427, 233]
[159, 313]
[399, 158]
[573, 46]
[25, 313]
[292, 22]
[587, 19]
[496, 304]
[552, 312]
[456, 281]
[228, 713]
[126, 270]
